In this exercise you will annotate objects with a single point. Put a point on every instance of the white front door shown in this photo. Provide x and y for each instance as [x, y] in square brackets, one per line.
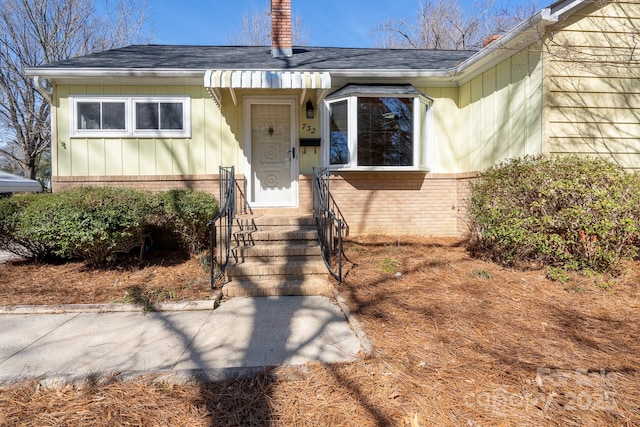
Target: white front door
[272, 156]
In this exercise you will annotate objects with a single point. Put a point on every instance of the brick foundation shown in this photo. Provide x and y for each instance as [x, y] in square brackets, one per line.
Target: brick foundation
[402, 203]
[206, 183]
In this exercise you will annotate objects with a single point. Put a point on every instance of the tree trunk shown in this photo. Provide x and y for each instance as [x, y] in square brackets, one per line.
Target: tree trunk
[29, 168]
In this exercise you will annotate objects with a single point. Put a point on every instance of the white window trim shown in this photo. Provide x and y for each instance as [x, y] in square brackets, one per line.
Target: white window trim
[421, 140]
[129, 111]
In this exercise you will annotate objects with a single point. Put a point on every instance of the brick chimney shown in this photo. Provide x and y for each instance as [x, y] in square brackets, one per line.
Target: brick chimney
[490, 40]
[281, 44]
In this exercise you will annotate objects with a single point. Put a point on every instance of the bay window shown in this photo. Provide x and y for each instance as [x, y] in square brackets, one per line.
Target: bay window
[374, 127]
[339, 133]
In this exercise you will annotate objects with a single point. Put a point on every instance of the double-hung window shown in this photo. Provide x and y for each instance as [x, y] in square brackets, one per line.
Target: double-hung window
[132, 116]
[372, 127]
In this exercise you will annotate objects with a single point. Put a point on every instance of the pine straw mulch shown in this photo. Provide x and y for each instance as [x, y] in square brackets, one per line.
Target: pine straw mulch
[164, 276]
[457, 341]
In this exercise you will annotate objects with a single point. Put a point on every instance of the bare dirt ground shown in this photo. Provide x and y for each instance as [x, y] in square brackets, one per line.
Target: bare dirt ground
[457, 342]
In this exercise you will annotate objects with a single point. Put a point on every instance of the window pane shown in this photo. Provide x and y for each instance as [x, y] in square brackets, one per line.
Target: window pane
[88, 115]
[385, 131]
[147, 115]
[171, 115]
[339, 137]
[113, 115]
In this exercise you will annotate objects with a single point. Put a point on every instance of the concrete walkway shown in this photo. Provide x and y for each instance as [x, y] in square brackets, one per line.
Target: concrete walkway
[241, 334]
[7, 256]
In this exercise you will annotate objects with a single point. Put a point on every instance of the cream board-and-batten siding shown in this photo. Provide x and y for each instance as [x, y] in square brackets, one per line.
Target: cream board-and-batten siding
[492, 117]
[593, 79]
[212, 141]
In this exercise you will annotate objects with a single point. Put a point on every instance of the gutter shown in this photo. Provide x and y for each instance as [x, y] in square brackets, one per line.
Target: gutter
[39, 73]
[38, 82]
[389, 73]
[110, 72]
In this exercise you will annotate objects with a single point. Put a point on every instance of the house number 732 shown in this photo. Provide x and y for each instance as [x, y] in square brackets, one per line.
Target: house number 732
[307, 127]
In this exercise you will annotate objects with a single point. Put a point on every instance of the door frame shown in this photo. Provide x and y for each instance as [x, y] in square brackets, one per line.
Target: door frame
[292, 102]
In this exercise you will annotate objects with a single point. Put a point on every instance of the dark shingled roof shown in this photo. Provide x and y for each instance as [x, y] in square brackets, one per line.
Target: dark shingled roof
[259, 58]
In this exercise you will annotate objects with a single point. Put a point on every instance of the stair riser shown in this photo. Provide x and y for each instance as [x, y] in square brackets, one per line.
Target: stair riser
[278, 237]
[252, 269]
[242, 291]
[277, 251]
[258, 260]
[277, 222]
[272, 259]
[246, 256]
[276, 229]
[280, 279]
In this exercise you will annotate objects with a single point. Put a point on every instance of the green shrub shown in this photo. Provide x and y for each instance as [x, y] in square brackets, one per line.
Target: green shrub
[570, 212]
[97, 223]
[185, 214]
[92, 224]
[22, 220]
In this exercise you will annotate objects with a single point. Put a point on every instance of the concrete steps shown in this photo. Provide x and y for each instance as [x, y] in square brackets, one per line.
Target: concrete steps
[269, 252]
[275, 255]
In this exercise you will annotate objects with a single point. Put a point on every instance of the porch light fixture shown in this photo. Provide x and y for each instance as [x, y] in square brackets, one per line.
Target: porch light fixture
[310, 110]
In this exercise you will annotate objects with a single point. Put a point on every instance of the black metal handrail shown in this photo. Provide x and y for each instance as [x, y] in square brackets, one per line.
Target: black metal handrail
[330, 222]
[221, 227]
